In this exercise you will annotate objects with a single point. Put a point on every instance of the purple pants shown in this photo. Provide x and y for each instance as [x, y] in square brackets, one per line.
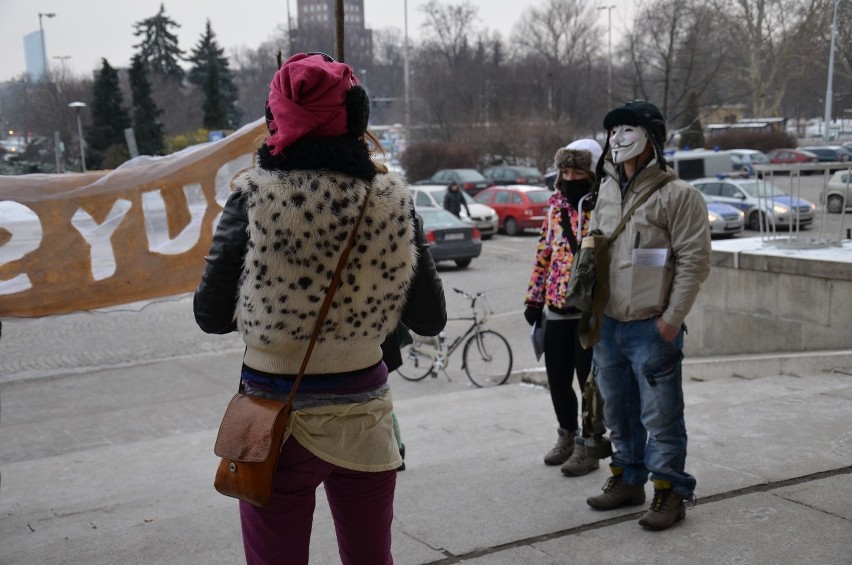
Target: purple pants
[361, 506]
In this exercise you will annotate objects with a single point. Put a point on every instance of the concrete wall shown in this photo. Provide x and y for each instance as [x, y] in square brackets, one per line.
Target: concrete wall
[761, 299]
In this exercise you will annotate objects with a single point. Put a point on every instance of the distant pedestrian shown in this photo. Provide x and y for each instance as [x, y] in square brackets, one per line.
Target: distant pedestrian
[269, 268]
[454, 200]
[563, 356]
[656, 267]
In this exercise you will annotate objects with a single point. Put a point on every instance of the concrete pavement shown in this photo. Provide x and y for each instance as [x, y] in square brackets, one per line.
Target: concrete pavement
[116, 466]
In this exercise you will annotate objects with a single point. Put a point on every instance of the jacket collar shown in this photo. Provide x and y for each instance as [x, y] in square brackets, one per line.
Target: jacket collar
[338, 154]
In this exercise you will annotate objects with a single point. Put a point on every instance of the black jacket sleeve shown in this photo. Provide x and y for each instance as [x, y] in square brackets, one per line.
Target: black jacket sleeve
[215, 300]
[425, 311]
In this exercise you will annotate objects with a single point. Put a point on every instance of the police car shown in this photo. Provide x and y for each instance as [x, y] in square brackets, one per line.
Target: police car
[760, 201]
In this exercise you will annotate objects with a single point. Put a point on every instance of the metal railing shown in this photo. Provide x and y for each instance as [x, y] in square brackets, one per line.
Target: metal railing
[792, 177]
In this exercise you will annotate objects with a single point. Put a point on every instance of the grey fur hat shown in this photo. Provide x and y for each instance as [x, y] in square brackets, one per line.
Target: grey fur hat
[573, 158]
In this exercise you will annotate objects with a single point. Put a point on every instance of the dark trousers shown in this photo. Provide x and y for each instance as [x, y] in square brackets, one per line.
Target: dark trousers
[563, 355]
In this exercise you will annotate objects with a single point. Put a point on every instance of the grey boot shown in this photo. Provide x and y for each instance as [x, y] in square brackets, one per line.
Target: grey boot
[578, 464]
[562, 450]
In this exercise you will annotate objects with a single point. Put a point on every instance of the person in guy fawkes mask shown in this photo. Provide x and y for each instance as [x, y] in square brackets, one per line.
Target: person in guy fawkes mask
[563, 355]
[656, 267]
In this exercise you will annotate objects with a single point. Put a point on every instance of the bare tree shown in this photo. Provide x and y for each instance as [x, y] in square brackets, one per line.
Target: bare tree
[40, 108]
[767, 36]
[560, 31]
[253, 71]
[559, 37]
[842, 54]
[444, 82]
[448, 28]
[674, 56]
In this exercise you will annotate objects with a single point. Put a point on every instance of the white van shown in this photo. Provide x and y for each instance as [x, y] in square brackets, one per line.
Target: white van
[698, 163]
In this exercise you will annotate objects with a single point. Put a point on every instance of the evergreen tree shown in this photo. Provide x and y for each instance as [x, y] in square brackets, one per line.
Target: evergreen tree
[207, 57]
[159, 47]
[213, 107]
[146, 113]
[109, 117]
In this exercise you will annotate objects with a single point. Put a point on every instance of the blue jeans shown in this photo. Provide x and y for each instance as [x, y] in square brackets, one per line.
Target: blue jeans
[639, 377]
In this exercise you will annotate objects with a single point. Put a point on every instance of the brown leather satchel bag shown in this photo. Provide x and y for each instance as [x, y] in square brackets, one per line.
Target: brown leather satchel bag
[249, 442]
[252, 431]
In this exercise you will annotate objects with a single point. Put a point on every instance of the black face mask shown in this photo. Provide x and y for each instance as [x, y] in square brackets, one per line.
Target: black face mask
[574, 190]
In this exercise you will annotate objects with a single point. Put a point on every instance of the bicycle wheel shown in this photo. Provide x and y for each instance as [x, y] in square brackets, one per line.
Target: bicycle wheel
[487, 359]
[418, 358]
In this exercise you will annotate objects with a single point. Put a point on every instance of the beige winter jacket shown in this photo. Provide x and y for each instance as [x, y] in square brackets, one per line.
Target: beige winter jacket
[657, 264]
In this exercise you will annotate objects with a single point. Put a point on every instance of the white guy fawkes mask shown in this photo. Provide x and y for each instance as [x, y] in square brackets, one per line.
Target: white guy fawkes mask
[627, 142]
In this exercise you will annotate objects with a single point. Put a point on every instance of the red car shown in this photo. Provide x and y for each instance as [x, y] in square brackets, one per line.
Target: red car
[791, 156]
[518, 207]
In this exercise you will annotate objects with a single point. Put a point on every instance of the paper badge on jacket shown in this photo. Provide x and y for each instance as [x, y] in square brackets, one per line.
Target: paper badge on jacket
[650, 257]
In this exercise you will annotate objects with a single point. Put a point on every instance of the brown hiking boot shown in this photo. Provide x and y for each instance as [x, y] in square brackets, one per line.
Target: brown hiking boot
[562, 450]
[578, 464]
[666, 508]
[617, 493]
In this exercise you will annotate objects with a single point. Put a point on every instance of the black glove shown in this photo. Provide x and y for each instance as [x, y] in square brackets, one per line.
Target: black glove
[533, 315]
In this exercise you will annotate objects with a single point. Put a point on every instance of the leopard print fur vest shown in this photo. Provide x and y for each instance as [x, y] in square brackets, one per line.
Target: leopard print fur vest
[298, 224]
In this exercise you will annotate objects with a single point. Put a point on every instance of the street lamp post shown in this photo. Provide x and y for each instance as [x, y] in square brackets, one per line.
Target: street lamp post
[61, 59]
[41, 32]
[609, 53]
[406, 82]
[77, 106]
[828, 89]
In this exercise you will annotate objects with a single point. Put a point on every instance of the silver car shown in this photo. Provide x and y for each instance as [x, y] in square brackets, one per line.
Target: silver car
[760, 200]
[839, 191]
[725, 220]
[483, 217]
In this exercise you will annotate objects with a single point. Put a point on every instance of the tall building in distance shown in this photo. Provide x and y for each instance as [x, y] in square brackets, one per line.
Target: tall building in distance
[34, 55]
[316, 30]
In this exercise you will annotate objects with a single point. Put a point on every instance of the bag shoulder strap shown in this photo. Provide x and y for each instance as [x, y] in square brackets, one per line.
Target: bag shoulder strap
[565, 222]
[332, 287]
[665, 180]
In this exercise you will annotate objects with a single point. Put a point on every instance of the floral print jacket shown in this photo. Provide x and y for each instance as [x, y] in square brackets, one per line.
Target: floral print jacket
[552, 268]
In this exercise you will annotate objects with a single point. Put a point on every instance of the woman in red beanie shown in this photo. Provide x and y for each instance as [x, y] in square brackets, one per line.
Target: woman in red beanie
[273, 256]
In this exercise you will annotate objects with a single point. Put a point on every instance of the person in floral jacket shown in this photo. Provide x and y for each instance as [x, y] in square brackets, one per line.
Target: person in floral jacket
[545, 301]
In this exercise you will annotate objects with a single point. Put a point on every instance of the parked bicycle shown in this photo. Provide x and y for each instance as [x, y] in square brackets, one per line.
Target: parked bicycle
[486, 357]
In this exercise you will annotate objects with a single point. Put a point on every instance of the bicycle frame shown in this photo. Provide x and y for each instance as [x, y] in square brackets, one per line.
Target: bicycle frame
[482, 346]
[440, 355]
[477, 321]
[474, 327]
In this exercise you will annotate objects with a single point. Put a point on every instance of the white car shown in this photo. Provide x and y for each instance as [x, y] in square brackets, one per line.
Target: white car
[839, 191]
[745, 159]
[481, 216]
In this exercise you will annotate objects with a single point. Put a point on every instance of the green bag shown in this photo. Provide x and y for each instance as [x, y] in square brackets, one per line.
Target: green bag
[584, 271]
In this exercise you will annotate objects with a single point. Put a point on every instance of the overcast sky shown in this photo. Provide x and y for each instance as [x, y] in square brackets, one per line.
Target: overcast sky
[87, 30]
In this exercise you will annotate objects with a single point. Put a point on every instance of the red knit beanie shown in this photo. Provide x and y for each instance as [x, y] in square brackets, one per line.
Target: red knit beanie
[307, 97]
